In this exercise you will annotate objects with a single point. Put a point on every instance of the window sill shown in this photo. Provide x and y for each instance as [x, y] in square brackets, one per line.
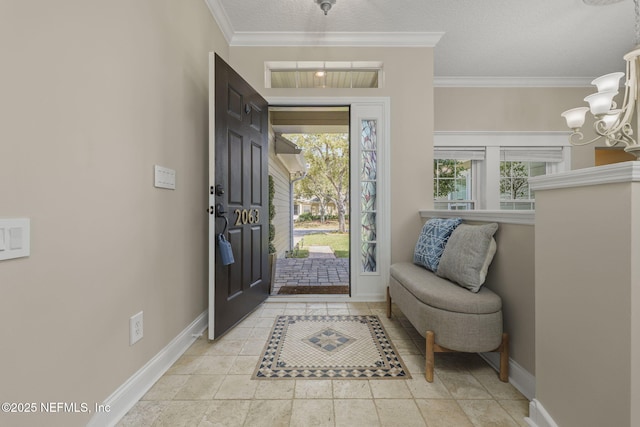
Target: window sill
[505, 217]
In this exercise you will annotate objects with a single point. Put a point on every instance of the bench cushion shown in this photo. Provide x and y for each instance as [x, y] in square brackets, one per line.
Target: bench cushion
[468, 254]
[443, 294]
[433, 240]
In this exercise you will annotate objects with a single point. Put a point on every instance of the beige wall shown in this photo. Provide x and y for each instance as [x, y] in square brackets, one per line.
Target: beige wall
[586, 282]
[511, 276]
[513, 109]
[408, 80]
[635, 304]
[93, 95]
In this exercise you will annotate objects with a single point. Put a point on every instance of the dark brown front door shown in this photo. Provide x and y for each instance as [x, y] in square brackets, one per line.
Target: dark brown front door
[241, 176]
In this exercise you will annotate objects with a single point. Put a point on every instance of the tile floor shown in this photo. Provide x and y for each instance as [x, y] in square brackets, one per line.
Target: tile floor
[211, 385]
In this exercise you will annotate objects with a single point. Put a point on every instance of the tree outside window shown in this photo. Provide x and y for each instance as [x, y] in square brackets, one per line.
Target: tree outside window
[514, 183]
[451, 180]
[327, 179]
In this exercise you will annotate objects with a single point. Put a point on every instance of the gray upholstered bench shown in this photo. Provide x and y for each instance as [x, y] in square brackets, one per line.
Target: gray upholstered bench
[443, 296]
[450, 317]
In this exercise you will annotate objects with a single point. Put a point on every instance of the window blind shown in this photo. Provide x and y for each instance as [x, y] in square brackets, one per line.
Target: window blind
[531, 154]
[458, 153]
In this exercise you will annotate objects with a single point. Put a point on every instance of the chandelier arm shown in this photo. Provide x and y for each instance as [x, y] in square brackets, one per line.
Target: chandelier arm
[576, 139]
[624, 136]
[621, 133]
[630, 91]
[623, 124]
[628, 97]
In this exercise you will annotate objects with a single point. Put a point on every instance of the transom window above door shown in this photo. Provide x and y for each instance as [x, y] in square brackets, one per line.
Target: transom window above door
[323, 74]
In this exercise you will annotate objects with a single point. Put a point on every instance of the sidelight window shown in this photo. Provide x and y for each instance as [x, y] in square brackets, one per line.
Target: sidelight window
[369, 187]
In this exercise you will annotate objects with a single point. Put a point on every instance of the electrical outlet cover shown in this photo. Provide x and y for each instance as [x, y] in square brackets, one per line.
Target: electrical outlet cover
[136, 328]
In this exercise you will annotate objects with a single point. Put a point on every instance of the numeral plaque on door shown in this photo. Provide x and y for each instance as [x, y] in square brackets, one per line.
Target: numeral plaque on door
[247, 216]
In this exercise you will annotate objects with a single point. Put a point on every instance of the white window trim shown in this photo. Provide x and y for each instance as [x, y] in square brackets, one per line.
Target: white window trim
[486, 173]
[363, 287]
[504, 217]
[299, 66]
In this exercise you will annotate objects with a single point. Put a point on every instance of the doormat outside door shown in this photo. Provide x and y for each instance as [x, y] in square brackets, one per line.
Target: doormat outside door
[307, 290]
[325, 347]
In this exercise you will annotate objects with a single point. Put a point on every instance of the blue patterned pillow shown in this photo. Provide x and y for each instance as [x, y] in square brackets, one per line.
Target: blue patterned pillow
[433, 238]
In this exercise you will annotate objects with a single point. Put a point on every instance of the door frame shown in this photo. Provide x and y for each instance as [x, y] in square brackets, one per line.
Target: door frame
[211, 250]
[363, 287]
[367, 286]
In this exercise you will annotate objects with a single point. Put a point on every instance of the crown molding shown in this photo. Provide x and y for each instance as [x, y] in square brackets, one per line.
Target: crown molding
[281, 39]
[221, 18]
[457, 81]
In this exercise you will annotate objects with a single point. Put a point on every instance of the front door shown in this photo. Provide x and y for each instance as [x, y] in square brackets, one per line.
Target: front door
[239, 198]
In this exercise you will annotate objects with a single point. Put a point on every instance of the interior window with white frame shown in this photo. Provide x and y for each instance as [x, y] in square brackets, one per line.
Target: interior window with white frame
[452, 184]
[490, 170]
[515, 193]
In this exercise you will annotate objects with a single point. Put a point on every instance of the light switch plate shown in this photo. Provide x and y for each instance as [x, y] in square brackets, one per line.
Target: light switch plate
[164, 178]
[15, 238]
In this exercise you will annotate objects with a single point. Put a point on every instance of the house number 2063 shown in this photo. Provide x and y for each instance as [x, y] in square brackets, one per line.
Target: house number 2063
[247, 216]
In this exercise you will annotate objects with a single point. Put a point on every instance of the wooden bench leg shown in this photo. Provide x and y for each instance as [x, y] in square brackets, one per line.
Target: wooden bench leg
[431, 341]
[388, 303]
[433, 348]
[504, 358]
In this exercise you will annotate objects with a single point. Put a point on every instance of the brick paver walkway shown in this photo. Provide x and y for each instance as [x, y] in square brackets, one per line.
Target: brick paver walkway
[321, 252]
[311, 272]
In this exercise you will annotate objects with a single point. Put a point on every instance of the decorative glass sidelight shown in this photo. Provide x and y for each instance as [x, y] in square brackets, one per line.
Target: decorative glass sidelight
[368, 189]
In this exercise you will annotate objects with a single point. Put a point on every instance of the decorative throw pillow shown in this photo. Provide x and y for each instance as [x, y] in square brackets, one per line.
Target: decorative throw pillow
[432, 241]
[468, 254]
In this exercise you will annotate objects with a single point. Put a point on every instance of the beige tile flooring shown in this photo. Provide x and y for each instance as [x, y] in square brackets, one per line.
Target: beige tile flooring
[211, 385]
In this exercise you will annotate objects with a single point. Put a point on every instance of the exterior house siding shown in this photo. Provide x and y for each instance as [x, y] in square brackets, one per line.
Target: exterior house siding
[281, 201]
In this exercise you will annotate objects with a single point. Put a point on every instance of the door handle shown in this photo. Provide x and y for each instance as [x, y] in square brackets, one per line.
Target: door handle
[220, 213]
[220, 210]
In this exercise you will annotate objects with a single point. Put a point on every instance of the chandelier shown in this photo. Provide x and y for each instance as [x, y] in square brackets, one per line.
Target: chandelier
[610, 122]
[325, 5]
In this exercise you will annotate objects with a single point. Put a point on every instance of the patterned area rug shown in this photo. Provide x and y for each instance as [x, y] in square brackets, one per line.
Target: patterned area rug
[341, 347]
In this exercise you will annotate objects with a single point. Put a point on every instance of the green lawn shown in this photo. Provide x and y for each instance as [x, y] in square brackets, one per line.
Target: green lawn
[339, 242]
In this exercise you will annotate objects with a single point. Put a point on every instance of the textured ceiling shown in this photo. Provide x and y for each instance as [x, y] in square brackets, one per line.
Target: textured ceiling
[482, 38]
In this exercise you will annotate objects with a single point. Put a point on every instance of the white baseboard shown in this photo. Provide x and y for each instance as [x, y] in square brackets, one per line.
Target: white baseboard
[538, 416]
[519, 377]
[123, 399]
